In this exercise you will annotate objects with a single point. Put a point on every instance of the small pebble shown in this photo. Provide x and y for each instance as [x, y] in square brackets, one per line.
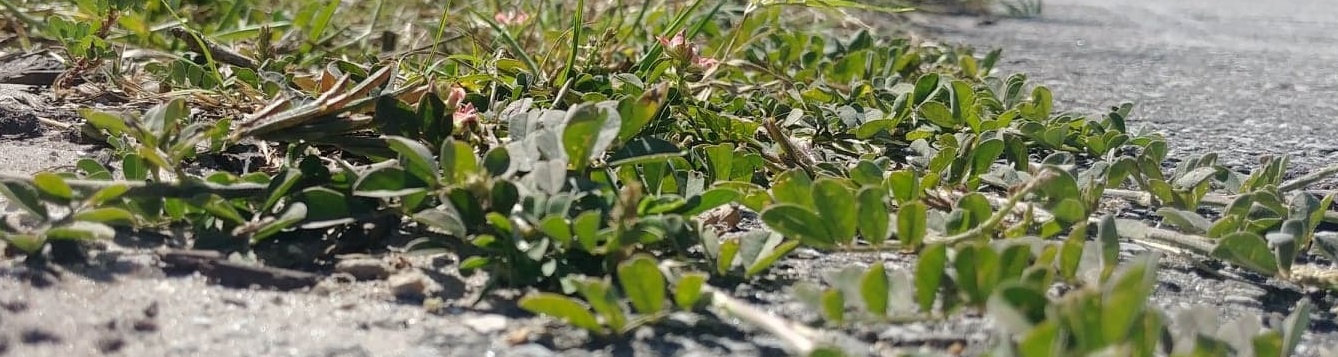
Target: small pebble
[529, 350]
[364, 268]
[486, 324]
[409, 285]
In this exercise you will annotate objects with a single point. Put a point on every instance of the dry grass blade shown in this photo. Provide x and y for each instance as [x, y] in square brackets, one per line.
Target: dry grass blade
[270, 123]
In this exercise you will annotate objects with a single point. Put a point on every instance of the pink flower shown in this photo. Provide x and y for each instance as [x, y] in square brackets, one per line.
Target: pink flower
[465, 115]
[456, 96]
[679, 48]
[705, 62]
[511, 17]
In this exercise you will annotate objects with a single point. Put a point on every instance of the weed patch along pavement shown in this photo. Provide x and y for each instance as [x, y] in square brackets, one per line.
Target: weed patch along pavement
[678, 178]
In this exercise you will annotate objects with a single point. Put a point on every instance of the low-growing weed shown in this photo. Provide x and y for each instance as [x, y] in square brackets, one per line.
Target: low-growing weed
[589, 159]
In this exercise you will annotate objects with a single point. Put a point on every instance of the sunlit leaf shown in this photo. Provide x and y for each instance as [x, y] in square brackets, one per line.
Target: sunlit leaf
[81, 230]
[835, 204]
[929, 272]
[873, 216]
[911, 223]
[25, 196]
[799, 223]
[643, 283]
[562, 307]
[689, 290]
[53, 186]
[1248, 250]
[874, 289]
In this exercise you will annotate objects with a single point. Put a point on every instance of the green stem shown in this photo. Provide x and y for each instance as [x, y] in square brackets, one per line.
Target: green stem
[1003, 212]
[1308, 179]
[179, 189]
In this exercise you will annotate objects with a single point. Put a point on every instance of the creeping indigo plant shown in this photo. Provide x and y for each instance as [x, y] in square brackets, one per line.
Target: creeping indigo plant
[589, 158]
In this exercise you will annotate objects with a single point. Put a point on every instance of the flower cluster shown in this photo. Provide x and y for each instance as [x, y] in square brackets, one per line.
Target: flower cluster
[465, 113]
[680, 49]
[511, 17]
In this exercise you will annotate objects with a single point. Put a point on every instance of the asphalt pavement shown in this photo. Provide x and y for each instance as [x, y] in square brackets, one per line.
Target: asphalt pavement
[1242, 78]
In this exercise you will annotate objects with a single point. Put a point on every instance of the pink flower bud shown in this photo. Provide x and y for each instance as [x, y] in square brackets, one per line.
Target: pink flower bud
[511, 17]
[465, 115]
[456, 96]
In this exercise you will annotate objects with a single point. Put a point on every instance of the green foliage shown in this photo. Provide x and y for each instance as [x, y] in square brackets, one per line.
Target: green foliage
[605, 162]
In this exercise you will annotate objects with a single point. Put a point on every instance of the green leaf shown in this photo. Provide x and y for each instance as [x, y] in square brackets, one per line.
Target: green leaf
[712, 198]
[296, 212]
[644, 149]
[1194, 178]
[325, 207]
[586, 227]
[27, 243]
[416, 158]
[794, 187]
[562, 307]
[557, 228]
[925, 87]
[106, 215]
[874, 289]
[977, 207]
[938, 114]
[1187, 221]
[985, 154]
[1042, 102]
[114, 125]
[53, 186]
[1268, 344]
[770, 258]
[1071, 252]
[689, 290]
[643, 283]
[446, 220]
[132, 166]
[866, 173]
[279, 186]
[433, 118]
[1248, 250]
[1069, 211]
[1294, 326]
[1110, 244]
[1043, 340]
[457, 161]
[81, 230]
[834, 305]
[929, 272]
[835, 204]
[497, 161]
[720, 160]
[729, 251]
[581, 135]
[25, 196]
[1126, 297]
[912, 225]
[873, 215]
[223, 209]
[387, 182]
[636, 113]
[799, 223]
[1017, 308]
[93, 169]
[599, 293]
[903, 185]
